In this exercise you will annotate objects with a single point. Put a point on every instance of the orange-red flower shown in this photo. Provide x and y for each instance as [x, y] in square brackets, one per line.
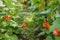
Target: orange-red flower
[46, 25]
[55, 32]
[23, 24]
[6, 17]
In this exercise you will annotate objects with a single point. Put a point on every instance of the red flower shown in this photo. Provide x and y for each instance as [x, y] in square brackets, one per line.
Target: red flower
[55, 32]
[6, 17]
[46, 25]
[23, 24]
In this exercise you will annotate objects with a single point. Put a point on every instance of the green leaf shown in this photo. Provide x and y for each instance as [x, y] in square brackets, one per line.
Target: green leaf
[9, 32]
[2, 36]
[56, 24]
[57, 37]
[8, 3]
[45, 12]
[48, 38]
[13, 23]
[42, 33]
[34, 1]
[6, 35]
[14, 37]
[11, 37]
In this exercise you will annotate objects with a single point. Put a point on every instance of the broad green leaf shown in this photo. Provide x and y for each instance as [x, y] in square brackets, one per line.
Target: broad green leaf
[57, 37]
[49, 38]
[56, 24]
[9, 32]
[8, 3]
[2, 36]
[11, 37]
[34, 1]
[14, 37]
[13, 23]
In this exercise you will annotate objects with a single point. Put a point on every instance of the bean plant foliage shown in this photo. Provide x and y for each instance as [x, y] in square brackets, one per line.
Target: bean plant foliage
[29, 19]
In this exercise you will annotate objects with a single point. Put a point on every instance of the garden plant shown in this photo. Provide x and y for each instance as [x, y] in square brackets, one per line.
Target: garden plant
[29, 19]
